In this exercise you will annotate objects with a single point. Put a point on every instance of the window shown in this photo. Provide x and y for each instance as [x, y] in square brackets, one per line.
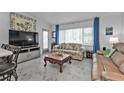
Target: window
[70, 36]
[88, 36]
[77, 35]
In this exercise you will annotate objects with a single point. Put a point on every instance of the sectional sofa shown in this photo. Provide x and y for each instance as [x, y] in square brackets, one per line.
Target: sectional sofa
[109, 68]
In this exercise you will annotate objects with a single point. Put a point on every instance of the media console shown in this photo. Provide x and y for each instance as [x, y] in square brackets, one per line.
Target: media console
[28, 54]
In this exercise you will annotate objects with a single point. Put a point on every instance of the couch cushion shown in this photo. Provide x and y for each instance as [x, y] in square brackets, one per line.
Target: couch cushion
[110, 66]
[121, 68]
[68, 46]
[117, 58]
[71, 51]
[77, 47]
[119, 47]
[105, 64]
[71, 47]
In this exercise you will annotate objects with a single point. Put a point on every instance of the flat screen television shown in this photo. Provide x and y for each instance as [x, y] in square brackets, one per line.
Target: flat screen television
[22, 38]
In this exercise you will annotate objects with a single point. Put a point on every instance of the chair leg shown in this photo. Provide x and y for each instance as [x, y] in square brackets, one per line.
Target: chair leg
[3, 76]
[9, 78]
[15, 75]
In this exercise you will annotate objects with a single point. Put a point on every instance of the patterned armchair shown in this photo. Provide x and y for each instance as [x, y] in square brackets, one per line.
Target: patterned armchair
[74, 49]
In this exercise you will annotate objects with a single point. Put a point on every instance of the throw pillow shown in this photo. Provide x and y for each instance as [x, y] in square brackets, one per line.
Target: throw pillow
[109, 53]
[77, 47]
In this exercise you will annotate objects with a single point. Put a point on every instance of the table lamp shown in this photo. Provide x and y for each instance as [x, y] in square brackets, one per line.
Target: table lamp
[113, 40]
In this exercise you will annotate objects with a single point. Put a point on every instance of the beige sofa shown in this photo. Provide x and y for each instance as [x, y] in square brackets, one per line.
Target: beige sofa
[75, 50]
[111, 68]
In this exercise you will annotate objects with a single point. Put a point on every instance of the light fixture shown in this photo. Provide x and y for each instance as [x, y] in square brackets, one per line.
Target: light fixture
[113, 40]
[29, 39]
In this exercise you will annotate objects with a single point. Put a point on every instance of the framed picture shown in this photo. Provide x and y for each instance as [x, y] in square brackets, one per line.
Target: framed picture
[53, 34]
[109, 30]
[22, 23]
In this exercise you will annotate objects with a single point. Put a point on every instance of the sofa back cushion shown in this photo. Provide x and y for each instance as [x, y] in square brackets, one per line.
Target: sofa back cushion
[121, 68]
[77, 47]
[117, 58]
[71, 46]
[119, 47]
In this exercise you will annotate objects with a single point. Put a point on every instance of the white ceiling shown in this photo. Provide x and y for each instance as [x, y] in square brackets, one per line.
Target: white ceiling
[66, 17]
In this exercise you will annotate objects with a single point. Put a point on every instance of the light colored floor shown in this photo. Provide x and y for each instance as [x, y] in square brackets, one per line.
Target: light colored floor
[34, 70]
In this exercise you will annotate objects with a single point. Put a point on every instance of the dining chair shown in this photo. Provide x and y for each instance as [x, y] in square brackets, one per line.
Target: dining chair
[3, 46]
[8, 67]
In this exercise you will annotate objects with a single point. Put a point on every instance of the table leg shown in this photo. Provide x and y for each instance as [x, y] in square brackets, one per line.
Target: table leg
[70, 60]
[45, 63]
[61, 70]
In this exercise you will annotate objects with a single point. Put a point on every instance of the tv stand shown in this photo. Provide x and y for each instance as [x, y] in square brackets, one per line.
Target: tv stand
[28, 54]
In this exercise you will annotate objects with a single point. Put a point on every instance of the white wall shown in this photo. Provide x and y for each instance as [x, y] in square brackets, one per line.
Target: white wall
[5, 26]
[115, 21]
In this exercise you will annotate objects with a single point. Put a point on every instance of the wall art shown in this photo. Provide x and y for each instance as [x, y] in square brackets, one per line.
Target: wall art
[22, 23]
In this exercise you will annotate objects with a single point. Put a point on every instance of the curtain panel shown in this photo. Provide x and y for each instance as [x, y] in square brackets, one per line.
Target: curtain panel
[96, 45]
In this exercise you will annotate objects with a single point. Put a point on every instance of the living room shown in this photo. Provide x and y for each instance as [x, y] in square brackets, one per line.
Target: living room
[72, 37]
[61, 46]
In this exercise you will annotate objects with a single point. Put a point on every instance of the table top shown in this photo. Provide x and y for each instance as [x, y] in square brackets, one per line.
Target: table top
[4, 52]
[57, 57]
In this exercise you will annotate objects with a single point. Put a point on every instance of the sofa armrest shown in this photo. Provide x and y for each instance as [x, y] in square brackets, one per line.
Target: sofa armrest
[113, 76]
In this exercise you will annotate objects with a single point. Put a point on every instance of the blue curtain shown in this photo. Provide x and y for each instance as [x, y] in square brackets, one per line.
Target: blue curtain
[57, 35]
[96, 45]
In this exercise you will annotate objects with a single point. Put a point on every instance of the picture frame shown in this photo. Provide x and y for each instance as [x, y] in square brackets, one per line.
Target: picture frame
[109, 30]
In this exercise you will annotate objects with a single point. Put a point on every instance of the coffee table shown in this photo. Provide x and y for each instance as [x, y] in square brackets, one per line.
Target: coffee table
[56, 59]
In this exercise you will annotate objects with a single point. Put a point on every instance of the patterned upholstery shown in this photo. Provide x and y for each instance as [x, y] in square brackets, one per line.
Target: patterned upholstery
[73, 49]
[8, 64]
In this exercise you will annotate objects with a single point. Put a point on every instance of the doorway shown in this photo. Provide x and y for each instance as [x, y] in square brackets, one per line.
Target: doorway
[45, 41]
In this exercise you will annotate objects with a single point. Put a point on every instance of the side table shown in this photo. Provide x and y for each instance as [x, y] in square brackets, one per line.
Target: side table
[89, 54]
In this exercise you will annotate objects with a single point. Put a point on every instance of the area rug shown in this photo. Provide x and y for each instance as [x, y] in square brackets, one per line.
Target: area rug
[34, 70]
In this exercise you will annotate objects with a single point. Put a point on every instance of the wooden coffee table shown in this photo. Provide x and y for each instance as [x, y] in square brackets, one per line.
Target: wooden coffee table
[56, 59]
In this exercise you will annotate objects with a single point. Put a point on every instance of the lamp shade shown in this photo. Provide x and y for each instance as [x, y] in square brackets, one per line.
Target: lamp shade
[113, 40]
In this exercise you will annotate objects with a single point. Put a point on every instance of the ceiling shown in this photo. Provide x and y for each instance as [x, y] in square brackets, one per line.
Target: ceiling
[67, 17]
